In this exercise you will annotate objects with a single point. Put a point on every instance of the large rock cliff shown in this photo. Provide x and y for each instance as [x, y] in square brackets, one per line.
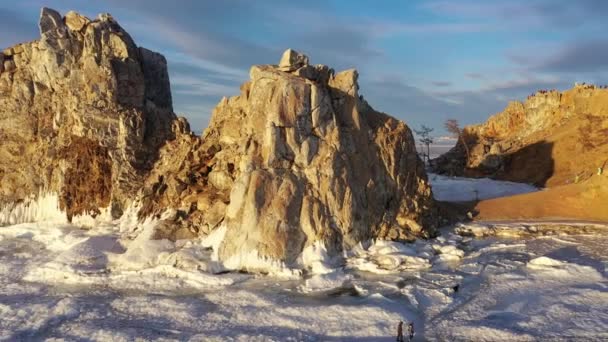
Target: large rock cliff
[83, 111]
[297, 158]
[553, 138]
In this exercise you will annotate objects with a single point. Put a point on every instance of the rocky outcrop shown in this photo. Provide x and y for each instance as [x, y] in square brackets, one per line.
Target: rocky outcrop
[297, 158]
[553, 138]
[83, 111]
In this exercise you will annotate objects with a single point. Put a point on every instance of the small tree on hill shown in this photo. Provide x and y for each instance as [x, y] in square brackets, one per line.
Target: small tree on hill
[453, 127]
[425, 138]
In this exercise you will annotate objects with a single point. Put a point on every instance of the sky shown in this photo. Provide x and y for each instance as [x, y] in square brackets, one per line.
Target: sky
[420, 61]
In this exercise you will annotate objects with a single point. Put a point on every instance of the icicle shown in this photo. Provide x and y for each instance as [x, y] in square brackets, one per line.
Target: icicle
[44, 207]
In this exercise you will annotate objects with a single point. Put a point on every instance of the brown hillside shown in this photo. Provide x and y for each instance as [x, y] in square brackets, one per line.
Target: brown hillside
[548, 140]
[587, 200]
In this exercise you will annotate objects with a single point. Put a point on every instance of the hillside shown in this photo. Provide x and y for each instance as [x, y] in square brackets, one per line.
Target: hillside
[587, 201]
[548, 140]
[557, 140]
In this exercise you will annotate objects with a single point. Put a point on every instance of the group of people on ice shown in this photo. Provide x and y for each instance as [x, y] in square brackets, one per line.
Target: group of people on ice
[409, 332]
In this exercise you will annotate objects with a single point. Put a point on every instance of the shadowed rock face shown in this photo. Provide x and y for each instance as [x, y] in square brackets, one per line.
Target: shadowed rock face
[83, 111]
[299, 157]
[550, 139]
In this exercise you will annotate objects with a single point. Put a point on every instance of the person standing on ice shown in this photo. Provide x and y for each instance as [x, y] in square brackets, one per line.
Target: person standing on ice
[400, 332]
[410, 331]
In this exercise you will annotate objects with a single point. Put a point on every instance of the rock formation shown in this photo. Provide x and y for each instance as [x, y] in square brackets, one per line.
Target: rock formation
[553, 138]
[83, 111]
[297, 158]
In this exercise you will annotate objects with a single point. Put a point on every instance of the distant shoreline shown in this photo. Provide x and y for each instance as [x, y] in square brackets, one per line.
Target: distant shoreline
[436, 149]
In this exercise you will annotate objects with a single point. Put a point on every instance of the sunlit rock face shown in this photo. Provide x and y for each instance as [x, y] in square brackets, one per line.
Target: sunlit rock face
[297, 158]
[550, 139]
[83, 111]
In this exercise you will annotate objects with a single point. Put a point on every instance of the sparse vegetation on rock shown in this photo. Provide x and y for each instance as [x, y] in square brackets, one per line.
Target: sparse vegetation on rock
[425, 138]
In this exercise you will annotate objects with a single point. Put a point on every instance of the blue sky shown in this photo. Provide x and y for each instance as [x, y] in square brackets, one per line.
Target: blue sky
[420, 61]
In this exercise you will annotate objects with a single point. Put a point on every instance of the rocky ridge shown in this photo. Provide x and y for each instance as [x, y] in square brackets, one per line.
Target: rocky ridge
[83, 111]
[553, 138]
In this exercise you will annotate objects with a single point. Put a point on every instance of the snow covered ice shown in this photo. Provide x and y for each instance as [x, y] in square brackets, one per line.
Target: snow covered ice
[459, 189]
[112, 282]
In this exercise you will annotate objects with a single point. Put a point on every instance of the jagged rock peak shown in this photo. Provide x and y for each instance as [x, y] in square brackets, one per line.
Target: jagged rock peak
[297, 159]
[50, 20]
[297, 64]
[75, 21]
[292, 60]
[83, 111]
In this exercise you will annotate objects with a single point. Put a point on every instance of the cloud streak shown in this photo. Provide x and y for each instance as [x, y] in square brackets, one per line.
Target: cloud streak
[462, 59]
[522, 15]
[578, 56]
[441, 83]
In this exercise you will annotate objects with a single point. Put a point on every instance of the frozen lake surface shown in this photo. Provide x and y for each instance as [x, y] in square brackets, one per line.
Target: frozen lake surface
[111, 282]
[458, 189]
